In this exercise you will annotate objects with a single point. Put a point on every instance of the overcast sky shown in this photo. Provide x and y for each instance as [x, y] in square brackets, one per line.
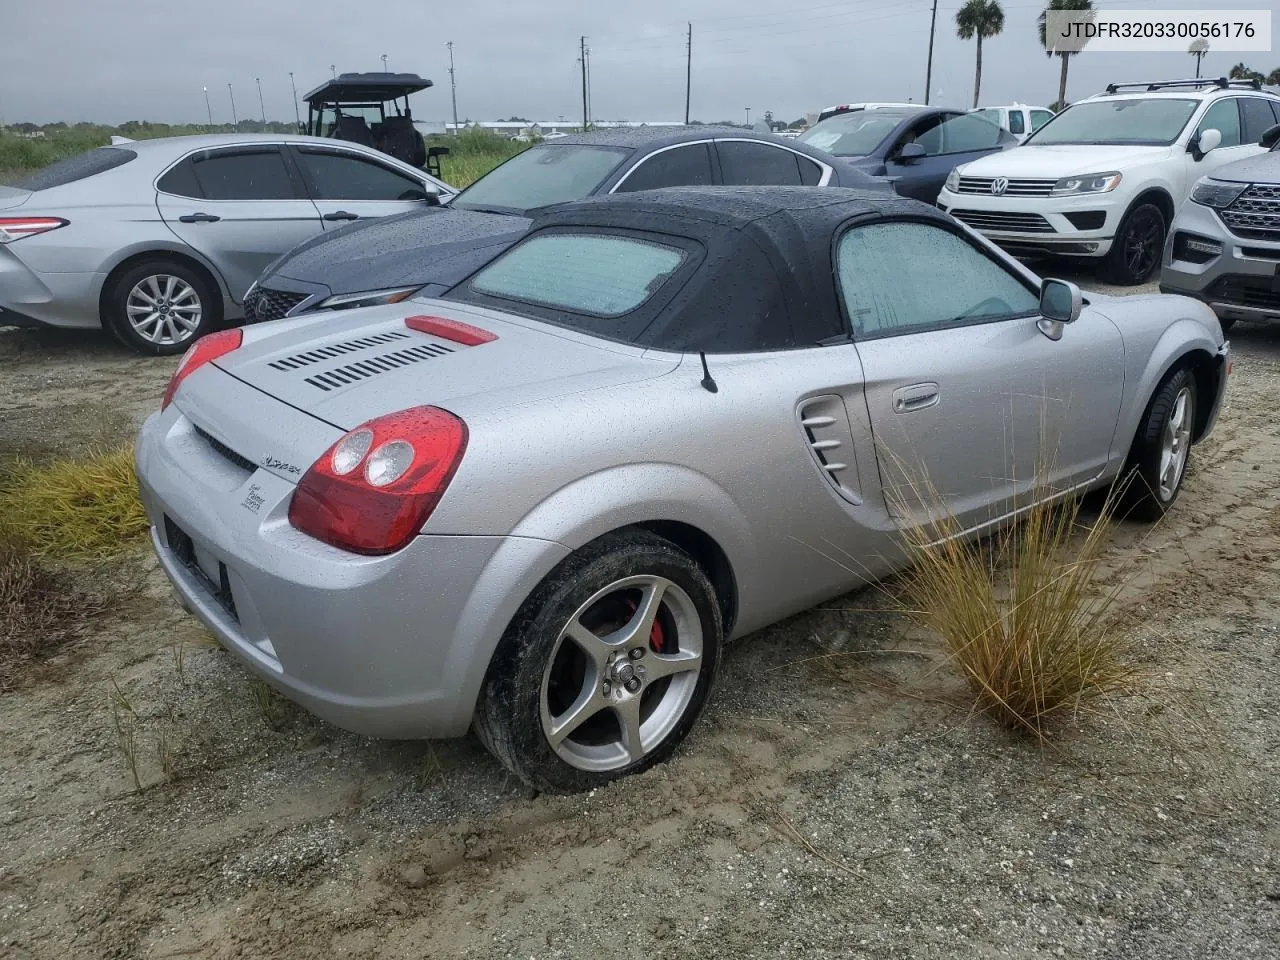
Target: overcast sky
[117, 60]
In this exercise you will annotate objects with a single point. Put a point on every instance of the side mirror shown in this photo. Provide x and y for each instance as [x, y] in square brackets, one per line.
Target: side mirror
[1270, 137]
[911, 152]
[1208, 140]
[431, 197]
[437, 151]
[1060, 302]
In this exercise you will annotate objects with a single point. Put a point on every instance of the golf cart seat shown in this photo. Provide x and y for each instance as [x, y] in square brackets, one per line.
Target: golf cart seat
[354, 130]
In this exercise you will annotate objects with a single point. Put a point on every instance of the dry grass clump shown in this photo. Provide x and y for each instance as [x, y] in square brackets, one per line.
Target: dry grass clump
[73, 510]
[1023, 614]
[43, 611]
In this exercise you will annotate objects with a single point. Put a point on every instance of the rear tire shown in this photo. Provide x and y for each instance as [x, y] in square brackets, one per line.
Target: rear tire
[584, 687]
[161, 306]
[1161, 450]
[1138, 246]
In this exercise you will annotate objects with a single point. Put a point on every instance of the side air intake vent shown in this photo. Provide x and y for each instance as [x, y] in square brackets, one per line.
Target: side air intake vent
[826, 429]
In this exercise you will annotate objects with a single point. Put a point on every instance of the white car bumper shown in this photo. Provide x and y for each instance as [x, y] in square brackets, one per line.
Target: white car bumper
[1031, 225]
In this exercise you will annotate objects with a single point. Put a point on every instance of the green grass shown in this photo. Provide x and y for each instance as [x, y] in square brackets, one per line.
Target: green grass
[73, 510]
[472, 153]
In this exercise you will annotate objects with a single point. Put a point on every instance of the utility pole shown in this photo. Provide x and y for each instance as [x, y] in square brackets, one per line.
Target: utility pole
[261, 106]
[235, 122]
[294, 87]
[748, 116]
[453, 87]
[582, 58]
[384, 63]
[334, 70]
[208, 109]
[928, 70]
[688, 73]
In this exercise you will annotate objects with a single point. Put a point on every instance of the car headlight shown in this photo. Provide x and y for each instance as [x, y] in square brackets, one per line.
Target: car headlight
[367, 298]
[1086, 183]
[1216, 193]
[953, 180]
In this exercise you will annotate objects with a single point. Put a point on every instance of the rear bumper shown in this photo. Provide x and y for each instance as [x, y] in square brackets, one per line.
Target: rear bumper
[394, 646]
[51, 299]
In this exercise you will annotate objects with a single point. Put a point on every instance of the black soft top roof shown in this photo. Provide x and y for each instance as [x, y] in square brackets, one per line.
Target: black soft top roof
[367, 88]
[766, 280]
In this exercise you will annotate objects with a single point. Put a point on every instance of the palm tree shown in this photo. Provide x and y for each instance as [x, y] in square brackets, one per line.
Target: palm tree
[1198, 49]
[1242, 71]
[1064, 54]
[981, 19]
[1273, 78]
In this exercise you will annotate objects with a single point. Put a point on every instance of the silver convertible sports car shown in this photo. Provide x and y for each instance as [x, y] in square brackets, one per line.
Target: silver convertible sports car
[540, 504]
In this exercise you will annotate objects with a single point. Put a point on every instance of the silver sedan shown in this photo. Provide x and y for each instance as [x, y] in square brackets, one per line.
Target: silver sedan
[539, 505]
[158, 240]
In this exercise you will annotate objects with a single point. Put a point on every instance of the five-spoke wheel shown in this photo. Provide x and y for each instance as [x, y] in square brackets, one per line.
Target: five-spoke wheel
[606, 667]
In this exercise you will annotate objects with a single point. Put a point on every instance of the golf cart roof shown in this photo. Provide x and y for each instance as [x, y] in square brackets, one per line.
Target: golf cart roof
[366, 88]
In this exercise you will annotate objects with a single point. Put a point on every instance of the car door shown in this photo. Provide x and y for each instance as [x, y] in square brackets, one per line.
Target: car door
[948, 141]
[972, 407]
[349, 186]
[684, 165]
[240, 207]
[753, 163]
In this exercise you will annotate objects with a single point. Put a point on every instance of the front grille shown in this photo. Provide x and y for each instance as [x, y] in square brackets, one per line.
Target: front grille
[184, 549]
[299, 360]
[1245, 291]
[1000, 220]
[263, 304]
[244, 463]
[372, 366]
[1255, 213]
[1018, 187]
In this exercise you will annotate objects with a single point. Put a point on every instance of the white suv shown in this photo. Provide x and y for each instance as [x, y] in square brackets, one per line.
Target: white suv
[1104, 178]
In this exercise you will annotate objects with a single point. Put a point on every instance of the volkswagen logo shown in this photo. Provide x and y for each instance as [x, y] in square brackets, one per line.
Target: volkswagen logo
[999, 185]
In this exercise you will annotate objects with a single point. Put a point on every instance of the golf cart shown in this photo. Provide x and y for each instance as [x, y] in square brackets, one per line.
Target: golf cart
[355, 107]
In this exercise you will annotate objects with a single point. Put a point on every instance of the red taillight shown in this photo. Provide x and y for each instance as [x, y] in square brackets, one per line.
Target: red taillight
[373, 490]
[201, 352]
[15, 228]
[455, 330]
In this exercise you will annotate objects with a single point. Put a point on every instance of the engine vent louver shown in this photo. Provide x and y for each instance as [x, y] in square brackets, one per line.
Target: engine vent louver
[336, 377]
[335, 350]
[826, 429]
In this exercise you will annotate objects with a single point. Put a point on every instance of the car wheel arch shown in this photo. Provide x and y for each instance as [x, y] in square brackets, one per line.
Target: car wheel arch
[159, 253]
[1157, 196]
[1204, 366]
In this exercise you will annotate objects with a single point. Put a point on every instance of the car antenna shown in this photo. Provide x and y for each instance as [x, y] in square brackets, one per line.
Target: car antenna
[708, 382]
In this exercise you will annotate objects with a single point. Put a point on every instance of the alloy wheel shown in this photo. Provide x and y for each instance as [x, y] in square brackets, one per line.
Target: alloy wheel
[1143, 243]
[1175, 443]
[164, 309]
[622, 673]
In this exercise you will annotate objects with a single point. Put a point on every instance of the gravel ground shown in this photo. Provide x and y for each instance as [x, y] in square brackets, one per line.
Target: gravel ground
[840, 799]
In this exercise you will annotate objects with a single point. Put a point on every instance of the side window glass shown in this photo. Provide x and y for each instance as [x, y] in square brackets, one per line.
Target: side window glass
[968, 132]
[181, 181]
[1223, 116]
[336, 176]
[243, 175]
[928, 134]
[1039, 118]
[745, 164]
[898, 278]
[1017, 122]
[810, 172]
[682, 167]
[1257, 118]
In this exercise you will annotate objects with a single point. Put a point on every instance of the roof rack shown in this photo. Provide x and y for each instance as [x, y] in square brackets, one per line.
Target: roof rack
[1222, 83]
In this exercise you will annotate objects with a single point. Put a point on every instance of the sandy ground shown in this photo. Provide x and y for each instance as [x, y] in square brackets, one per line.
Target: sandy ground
[839, 799]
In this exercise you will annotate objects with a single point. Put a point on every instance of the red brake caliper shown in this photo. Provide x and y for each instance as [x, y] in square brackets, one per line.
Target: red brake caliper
[657, 638]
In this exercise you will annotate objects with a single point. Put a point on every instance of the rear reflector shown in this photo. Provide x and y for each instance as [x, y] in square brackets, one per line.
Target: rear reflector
[15, 228]
[445, 329]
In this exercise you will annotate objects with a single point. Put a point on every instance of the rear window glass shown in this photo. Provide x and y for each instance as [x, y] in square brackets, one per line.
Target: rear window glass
[596, 275]
[71, 169]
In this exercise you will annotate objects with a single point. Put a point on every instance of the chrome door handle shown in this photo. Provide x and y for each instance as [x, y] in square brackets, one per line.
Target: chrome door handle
[918, 396]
